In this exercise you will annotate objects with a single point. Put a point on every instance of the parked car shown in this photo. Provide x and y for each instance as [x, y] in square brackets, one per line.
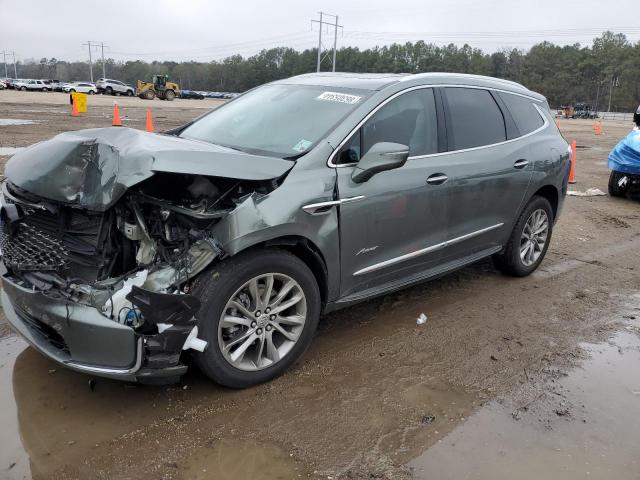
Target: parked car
[230, 236]
[38, 85]
[20, 84]
[7, 82]
[114, 87]
[53, 85]
[2, 85]
[191, 94]
[81, 87]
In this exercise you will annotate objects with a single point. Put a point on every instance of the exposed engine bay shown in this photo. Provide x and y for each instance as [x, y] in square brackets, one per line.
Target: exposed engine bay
[156, 237]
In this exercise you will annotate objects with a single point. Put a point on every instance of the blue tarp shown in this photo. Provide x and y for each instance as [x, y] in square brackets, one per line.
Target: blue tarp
[625, 156]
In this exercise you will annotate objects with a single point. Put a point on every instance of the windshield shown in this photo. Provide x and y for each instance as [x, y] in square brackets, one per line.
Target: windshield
[277, 120]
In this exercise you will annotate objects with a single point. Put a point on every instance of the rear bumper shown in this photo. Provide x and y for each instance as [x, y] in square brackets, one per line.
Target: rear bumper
[79, 337]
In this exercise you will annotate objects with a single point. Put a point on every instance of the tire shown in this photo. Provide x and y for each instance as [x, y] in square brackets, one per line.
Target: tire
[108, 91]
[510, 261]
[91, 92]
[615, 190]
[148, 95]
[71, 90]
[217, 286]
[24, 89]
[45, 89]
[129, 93]
[169, 95]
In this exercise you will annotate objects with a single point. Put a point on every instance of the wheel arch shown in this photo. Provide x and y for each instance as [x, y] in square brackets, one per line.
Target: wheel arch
[307, 251]
[551, 194]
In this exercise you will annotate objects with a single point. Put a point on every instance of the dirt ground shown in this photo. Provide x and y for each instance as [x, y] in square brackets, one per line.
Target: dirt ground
[499, 361]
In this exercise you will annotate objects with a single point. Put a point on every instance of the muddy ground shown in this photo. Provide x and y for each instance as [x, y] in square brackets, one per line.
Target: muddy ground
[500, 361]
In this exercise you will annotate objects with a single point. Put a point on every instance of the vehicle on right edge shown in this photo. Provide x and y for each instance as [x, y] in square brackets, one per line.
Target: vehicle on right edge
[624, 163]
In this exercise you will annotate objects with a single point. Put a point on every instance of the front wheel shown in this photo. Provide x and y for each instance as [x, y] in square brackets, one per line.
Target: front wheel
[169, 95]
[259, 312]
[129, 93]
[91, 92]
[617, 187]
[529, 239]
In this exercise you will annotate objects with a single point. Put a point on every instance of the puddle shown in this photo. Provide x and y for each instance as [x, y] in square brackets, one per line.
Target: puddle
[10, 150]
[589, 431]
[238, 460]
[14, 462]
[15, 121]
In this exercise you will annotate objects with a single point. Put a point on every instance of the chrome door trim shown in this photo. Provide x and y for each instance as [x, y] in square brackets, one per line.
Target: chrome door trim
[331, 164]
[432, 248]
[521, 163]
[437, 180]
[313, 208]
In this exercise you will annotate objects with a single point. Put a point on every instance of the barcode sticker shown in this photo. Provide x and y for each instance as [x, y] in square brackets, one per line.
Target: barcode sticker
[339, 97]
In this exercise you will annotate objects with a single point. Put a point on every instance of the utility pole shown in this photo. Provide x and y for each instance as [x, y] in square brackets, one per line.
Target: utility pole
[614, 81]
[15, 69]
[322, 23]
[6, 75]
[90, 62]
[104, 75]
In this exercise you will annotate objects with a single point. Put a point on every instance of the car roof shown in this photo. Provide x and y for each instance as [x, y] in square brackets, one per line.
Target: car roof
[379, 81]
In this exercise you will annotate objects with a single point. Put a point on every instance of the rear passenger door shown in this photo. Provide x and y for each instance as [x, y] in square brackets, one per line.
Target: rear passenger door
[488, 169]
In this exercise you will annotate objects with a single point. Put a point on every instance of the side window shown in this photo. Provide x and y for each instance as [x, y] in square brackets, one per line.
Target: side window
[409, 119]
[525, 115]
[474, 118]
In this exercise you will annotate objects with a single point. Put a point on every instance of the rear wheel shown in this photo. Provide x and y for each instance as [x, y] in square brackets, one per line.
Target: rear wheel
[529, 239]
[259, 312]
[24, 89]
[615, 188]
[108, 91]
[91, 92]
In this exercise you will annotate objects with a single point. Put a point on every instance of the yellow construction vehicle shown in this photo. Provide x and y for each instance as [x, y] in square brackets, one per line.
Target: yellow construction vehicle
[160, 88]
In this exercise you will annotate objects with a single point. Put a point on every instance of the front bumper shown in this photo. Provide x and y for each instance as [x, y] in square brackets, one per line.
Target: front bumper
[79, 337]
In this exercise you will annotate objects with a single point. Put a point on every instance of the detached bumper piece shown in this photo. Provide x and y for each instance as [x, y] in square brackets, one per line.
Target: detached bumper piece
[80, 338]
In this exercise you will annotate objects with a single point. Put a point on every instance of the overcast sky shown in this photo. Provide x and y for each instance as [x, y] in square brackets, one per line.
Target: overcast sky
[207, 30]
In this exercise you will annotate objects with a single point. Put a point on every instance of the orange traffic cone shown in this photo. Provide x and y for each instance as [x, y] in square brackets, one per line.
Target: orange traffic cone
[74, 107]
[149, 126]
[599, 128]
[116, 115]
[572, 171]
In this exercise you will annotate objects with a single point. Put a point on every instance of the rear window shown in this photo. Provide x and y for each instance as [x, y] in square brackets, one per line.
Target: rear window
[525, 115]
[474, 118]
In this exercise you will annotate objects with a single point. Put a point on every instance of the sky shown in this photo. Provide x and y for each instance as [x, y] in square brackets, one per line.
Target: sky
[208, 30]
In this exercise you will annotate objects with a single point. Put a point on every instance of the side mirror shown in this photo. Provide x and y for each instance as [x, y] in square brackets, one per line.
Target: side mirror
[382, 156]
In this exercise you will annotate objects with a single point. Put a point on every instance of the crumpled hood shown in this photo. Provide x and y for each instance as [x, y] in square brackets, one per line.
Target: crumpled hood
[93, 168]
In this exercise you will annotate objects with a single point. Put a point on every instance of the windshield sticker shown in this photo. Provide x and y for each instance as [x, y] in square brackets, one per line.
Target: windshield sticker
[302, 145]
[339, 97]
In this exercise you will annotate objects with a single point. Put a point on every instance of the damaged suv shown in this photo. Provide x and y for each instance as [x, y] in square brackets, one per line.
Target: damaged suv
[126, 254]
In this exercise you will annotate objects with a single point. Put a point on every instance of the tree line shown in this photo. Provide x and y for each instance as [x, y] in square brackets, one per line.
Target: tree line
[608, 68]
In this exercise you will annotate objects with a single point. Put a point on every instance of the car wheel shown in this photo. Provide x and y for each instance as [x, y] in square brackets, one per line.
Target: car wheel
[45, 89]
[529, 239]
[91, 92]
[129, 93]
[259, 312]
[615, 189]
[108, 91]
[24, 89]
[72, 91]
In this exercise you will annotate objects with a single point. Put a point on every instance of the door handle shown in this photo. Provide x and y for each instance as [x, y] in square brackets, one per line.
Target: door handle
[437, 179]
[521, 163]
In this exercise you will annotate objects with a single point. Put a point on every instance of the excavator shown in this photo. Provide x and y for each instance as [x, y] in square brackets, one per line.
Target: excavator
[160, 87]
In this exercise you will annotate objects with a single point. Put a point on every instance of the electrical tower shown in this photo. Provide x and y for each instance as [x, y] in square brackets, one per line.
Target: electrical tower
[91, 43]
[321, 23]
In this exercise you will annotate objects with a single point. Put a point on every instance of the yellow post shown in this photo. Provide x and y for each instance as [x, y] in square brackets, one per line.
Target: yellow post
[81, 101]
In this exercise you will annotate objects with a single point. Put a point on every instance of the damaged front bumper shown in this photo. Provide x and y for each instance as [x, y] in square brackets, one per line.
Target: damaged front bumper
[79, 337]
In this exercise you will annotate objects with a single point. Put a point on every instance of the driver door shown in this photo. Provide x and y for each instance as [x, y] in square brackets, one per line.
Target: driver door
[391, 225]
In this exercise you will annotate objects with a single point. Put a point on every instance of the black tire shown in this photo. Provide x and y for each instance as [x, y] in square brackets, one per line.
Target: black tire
[615, 190]
[148, 95]
[108, 91]
[72, 90]
[24, 89]
[216, 286]
[91, 92]
[129, 93]
[508, 261]
[169, 95]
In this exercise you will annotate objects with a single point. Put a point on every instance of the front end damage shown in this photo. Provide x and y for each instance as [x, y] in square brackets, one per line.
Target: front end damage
[99, 280]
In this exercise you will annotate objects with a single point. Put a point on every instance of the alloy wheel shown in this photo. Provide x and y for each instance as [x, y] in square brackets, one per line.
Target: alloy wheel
[534, 237]
[262, 321]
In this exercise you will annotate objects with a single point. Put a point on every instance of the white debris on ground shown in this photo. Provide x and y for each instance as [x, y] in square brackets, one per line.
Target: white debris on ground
[591, 192]
[422, 319]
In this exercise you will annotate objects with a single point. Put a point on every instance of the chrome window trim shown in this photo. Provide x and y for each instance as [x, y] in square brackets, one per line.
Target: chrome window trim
[432, 248]
[331, 164]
